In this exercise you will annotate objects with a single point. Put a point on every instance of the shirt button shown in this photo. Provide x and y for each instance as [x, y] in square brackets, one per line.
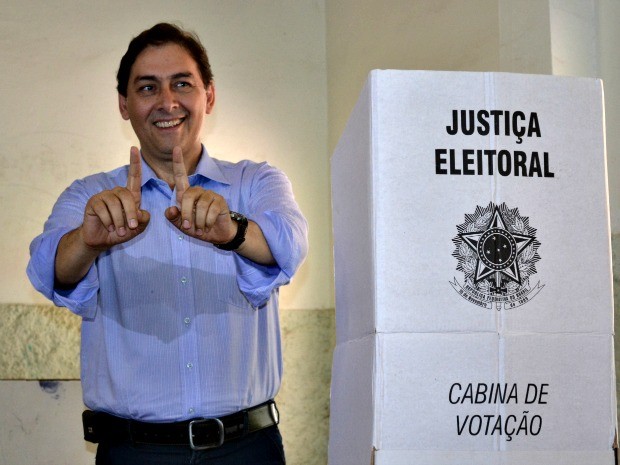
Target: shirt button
[187, 320]
[180, 237]
[190, 366]
[183, 279]
[190, 411]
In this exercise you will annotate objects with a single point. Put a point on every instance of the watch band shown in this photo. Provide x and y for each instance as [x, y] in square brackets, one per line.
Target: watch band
[242, 227]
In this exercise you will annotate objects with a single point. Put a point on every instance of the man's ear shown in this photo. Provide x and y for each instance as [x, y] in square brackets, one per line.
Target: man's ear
[210, 90]
[122, 106]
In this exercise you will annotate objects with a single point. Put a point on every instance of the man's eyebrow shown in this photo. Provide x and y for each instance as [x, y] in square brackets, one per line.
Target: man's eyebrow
[145, 78]
[185, 74]
[148, 77]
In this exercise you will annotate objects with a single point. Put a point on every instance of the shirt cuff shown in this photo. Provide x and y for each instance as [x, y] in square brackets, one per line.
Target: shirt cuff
[287, 240]
[257, 282]
[80, 299]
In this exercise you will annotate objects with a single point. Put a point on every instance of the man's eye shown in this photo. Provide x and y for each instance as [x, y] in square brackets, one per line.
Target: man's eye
[148, 89]
[183, 86]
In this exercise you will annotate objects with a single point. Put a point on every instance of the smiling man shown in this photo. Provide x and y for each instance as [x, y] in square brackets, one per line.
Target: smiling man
[167, 110]
[174, 263]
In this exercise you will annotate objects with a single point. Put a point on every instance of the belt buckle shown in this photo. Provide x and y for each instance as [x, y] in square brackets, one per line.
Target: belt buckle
[220, 428]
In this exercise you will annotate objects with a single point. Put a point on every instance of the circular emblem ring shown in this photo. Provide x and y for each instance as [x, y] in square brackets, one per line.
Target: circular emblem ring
[497, 249]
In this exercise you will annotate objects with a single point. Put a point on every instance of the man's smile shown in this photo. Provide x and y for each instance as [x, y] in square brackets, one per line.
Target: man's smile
[169, 124]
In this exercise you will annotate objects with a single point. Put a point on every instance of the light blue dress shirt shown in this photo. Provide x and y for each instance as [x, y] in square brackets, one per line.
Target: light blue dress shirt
[172, 327]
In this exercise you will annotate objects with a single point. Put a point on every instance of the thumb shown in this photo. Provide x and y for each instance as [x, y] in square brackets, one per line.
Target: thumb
[143, 218]
[173, 214]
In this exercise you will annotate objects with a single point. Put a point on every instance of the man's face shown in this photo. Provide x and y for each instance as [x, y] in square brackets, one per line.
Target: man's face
[166, 102]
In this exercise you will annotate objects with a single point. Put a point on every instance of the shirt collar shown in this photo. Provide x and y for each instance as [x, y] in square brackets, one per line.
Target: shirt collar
[206, 168]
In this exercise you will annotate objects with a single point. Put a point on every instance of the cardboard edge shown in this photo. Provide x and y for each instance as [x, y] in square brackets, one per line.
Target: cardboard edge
[421, 457]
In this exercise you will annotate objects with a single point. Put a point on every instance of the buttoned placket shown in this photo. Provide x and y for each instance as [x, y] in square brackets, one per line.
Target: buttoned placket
[185, 309]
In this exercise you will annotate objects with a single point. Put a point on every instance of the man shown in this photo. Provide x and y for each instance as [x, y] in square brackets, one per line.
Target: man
[174, 263]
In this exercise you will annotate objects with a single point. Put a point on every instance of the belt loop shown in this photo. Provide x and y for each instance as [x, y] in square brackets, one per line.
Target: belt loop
[246, 422]
[275, 413]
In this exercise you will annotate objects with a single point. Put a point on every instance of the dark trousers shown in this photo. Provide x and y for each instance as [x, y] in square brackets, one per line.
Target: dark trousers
[263, 447]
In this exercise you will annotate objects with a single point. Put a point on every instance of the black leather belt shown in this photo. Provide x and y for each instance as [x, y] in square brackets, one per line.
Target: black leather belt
[199, 434]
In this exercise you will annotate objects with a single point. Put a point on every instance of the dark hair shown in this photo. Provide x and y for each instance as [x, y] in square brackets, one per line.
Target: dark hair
[161, 34]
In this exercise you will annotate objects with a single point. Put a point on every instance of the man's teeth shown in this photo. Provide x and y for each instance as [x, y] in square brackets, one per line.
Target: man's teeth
[168, 124]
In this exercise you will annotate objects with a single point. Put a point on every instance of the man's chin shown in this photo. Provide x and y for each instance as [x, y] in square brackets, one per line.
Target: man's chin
[164, 149]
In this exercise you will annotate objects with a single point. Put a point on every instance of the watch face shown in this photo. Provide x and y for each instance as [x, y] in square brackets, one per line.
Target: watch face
[242, 226]
[237, 216]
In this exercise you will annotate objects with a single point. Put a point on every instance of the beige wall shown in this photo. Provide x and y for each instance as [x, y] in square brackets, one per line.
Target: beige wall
[608, 39]
[403, 34]
[61, 122]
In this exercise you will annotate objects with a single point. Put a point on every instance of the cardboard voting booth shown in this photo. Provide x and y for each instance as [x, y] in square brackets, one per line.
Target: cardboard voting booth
[474, 306]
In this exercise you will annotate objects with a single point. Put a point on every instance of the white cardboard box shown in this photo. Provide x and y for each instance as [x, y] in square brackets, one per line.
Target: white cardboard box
[472, 259]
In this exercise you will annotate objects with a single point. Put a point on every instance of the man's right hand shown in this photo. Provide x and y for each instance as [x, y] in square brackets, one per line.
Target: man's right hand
[112, 217]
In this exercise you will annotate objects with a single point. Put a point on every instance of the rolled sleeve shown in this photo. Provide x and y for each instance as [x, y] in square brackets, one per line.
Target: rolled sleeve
[273, 207]
[82, 298]
[66, 216]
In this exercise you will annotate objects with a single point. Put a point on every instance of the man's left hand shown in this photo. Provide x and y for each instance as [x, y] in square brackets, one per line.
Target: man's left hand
[200, 213]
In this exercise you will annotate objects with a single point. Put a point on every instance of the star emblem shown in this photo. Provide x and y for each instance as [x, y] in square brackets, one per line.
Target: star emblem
[497, 249]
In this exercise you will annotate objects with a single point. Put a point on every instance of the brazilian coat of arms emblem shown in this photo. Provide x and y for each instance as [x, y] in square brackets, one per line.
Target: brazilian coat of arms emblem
[497, 250]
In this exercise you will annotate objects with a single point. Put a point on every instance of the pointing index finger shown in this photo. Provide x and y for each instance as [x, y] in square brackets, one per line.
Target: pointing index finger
[134, 175]
[180, 173]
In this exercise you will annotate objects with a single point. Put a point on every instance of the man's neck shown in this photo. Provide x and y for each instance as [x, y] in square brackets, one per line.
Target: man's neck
[163, 167]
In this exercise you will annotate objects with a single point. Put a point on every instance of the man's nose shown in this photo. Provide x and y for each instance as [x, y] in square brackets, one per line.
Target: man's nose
[167, 99]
